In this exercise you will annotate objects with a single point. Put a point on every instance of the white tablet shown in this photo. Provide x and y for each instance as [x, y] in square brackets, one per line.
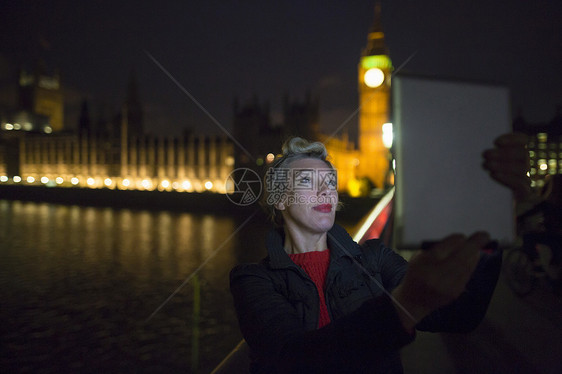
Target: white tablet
[441, 128]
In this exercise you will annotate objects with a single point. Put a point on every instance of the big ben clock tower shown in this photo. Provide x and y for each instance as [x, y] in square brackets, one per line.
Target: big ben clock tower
[374, 70]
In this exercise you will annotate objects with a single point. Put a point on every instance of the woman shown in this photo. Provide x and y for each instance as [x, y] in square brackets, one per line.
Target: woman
[321, 303]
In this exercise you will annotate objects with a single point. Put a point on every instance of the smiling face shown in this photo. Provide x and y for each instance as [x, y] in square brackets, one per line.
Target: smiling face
[312, 198]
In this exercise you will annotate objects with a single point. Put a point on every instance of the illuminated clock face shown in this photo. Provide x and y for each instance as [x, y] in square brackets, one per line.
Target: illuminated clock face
[373, 77]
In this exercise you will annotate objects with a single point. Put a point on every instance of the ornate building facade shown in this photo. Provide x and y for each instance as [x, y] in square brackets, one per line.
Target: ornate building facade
[120, 155]
[35, 149]
[545, 147]
[40, 93]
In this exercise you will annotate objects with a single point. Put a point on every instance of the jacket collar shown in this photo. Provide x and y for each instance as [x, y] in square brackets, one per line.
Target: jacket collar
[339, 243]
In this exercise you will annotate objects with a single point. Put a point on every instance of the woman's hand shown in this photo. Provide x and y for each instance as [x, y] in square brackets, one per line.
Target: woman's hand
[508, 163]
[437, 276]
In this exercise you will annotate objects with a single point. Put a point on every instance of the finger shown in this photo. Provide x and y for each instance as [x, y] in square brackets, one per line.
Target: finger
[478, 240]
[447, 246]
[515, 138]
[511, 179]
[467, 258]
[506, 154]
[509, 168]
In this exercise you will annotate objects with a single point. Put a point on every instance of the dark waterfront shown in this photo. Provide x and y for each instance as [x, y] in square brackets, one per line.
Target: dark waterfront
[78, 284]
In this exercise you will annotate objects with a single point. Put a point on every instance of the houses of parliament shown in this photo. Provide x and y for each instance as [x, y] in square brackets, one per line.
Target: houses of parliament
[36, 149]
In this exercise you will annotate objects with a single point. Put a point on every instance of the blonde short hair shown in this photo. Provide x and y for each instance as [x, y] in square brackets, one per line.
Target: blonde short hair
[293, 149]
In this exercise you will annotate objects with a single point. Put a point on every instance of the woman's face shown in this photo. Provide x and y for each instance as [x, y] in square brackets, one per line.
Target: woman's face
[312, 197]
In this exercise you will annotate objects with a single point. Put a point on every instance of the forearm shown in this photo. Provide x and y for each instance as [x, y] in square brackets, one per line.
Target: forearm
[275, 333]
[373, 331]
[409, 313]
[467, 311]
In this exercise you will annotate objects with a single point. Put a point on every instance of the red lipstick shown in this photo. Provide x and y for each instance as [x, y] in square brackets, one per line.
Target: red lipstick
[323, 208]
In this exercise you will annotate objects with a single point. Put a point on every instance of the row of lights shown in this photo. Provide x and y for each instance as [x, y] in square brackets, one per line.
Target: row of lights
[543, 165]
[25, 127]
[125, 184]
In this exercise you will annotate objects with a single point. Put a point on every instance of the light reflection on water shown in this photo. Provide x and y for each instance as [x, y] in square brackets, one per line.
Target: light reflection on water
[78, 284]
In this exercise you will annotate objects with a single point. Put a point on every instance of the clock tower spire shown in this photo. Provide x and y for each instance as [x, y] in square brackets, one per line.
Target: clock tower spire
[374, 73]
[375, 38]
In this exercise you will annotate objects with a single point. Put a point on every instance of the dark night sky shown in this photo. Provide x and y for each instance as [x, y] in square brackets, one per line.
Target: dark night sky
[218, 50]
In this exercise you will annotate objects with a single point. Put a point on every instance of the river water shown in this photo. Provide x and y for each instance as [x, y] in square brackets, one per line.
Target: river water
[81, 287]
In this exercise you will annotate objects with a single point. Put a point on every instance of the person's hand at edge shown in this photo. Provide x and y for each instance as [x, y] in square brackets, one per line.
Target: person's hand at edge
[508, 164]
[437, 276]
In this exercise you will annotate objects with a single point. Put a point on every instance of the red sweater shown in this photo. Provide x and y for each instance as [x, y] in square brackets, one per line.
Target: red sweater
[315, 264]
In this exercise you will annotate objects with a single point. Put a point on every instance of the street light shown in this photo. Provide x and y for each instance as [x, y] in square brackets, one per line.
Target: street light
[387, 135]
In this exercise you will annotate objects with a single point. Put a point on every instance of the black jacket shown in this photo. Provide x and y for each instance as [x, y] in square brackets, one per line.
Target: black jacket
[278, 309]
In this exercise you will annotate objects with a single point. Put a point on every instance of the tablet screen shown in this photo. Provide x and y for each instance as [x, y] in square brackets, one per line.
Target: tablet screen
[441, 129]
